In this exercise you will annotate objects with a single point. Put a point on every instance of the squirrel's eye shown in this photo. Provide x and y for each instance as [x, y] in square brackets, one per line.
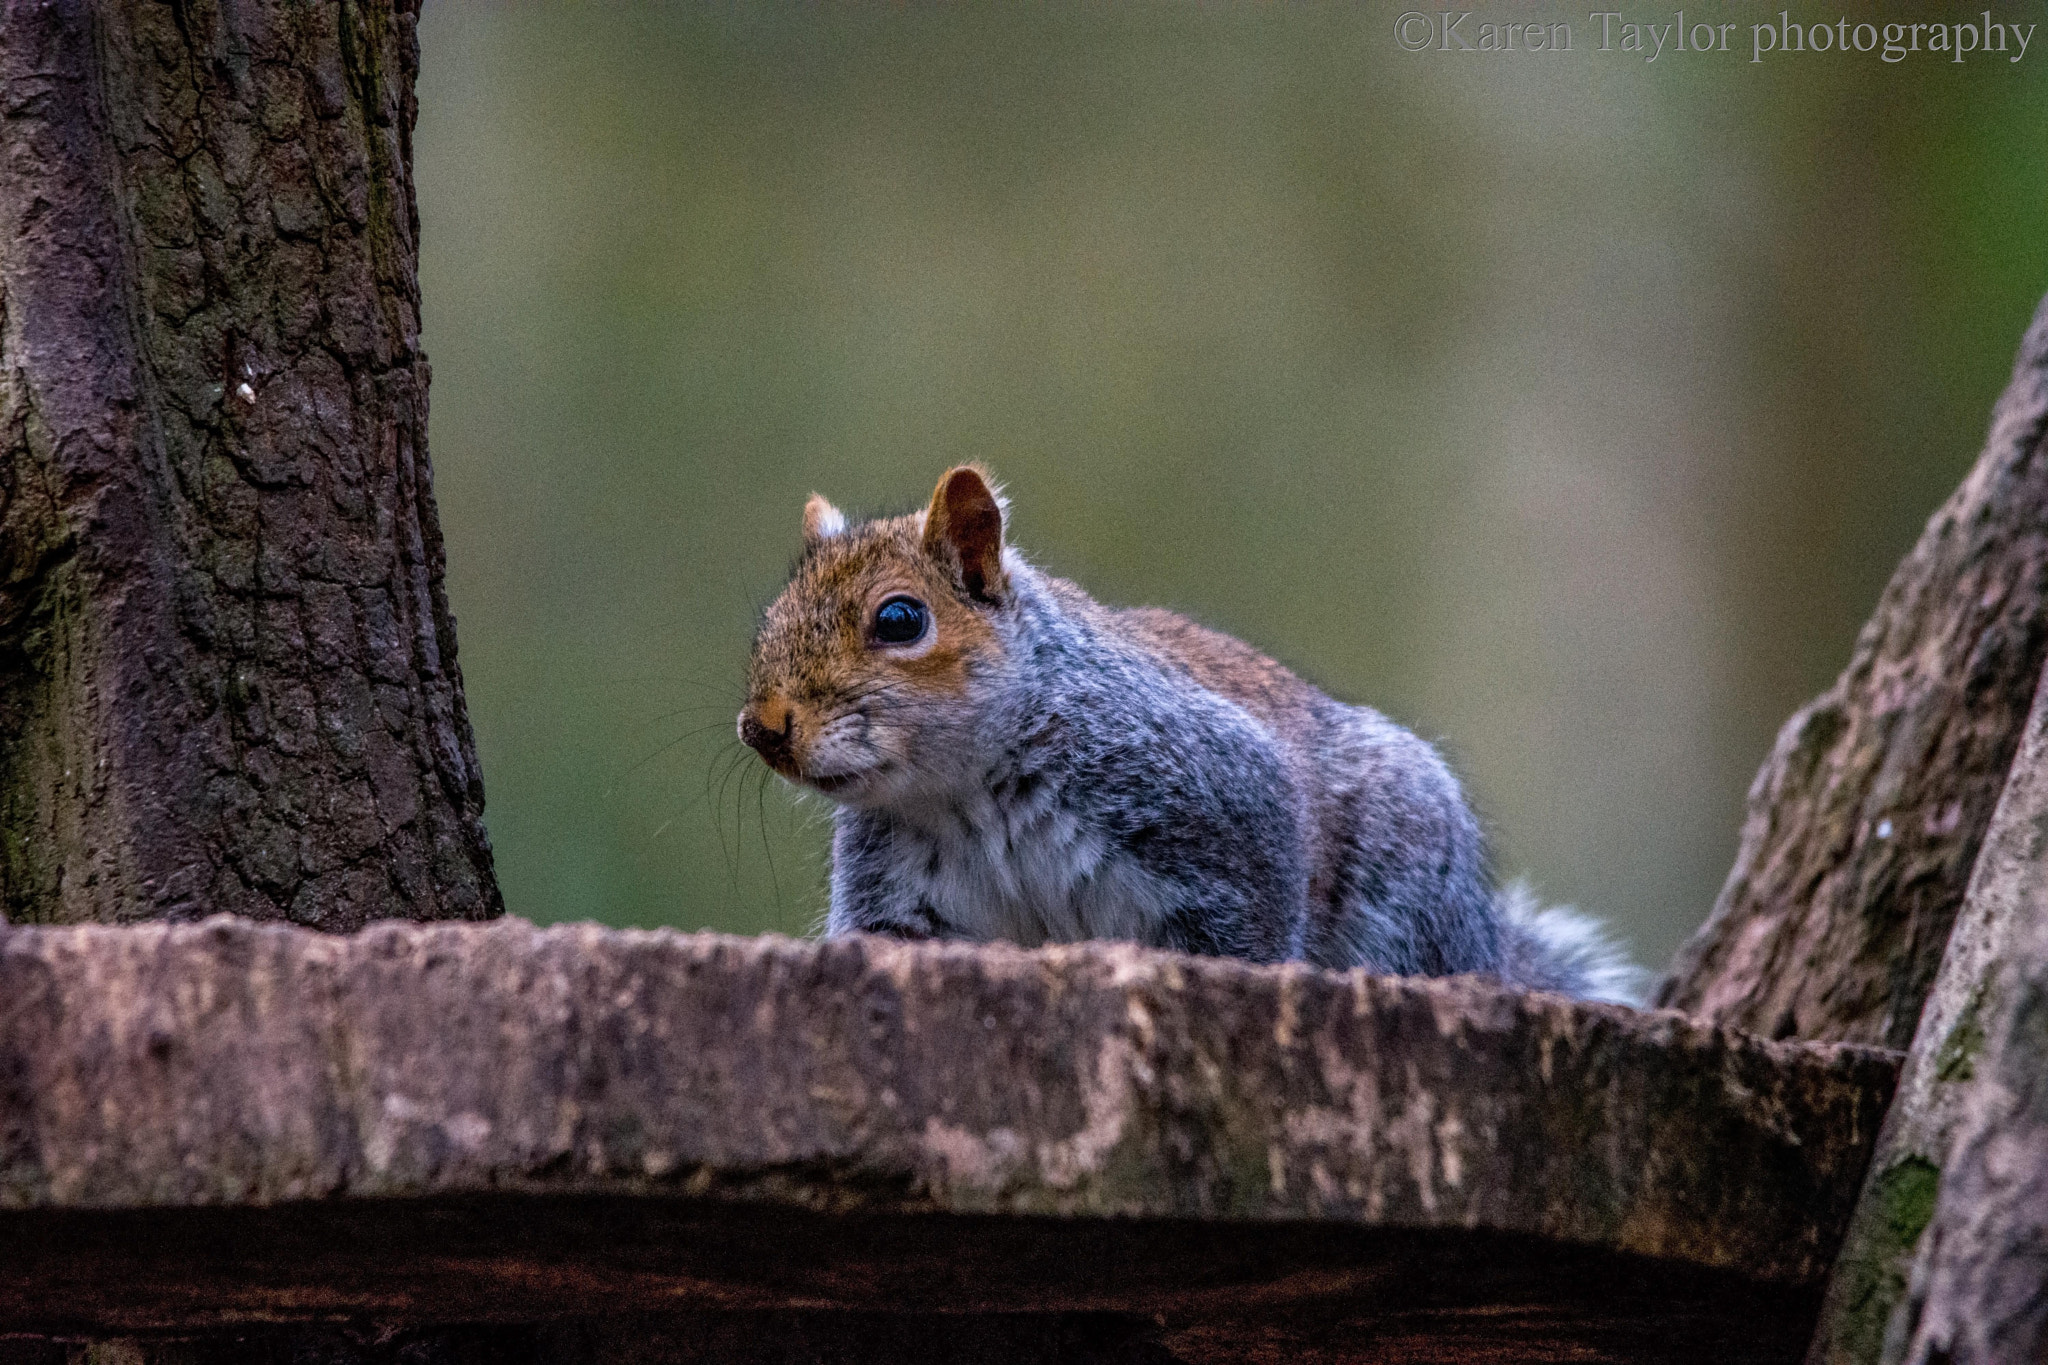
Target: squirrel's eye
[900, 620]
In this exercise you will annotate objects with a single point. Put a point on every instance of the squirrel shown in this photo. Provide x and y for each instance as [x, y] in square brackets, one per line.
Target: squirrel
[1010, 759]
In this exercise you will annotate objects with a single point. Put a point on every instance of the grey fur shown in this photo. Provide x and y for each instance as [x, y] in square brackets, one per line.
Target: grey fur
[1092, 789]
[1556, 948]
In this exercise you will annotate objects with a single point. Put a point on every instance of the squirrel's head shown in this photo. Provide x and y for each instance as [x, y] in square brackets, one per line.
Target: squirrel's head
[864, 672]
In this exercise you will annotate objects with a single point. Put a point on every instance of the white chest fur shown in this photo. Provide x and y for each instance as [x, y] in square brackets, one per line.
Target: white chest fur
[1029, 872]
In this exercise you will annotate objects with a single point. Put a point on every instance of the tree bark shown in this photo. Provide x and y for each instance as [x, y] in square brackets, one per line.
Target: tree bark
[1865, 821]
[227, 664]
[1975, 1072]
[1978, 1291]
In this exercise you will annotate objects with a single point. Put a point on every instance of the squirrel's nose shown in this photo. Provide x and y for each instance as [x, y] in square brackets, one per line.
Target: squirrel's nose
[768, 729]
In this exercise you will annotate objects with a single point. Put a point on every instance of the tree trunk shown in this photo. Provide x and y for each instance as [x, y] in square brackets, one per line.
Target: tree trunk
[1978, 1292]
[1866, 819]
[227, 665]
[1974, 1080]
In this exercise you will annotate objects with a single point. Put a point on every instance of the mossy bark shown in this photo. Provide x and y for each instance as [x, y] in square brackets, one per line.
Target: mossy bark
[1974, 1294]
[227, 664]
[1866, 820]
[1961, 1082]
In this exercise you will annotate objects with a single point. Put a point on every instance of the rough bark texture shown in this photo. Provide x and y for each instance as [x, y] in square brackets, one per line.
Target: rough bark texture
[1865, 821]
[1973, 1126]
[1958, 1077]
[204, 1125]
[227, 669]
[1978, 1292]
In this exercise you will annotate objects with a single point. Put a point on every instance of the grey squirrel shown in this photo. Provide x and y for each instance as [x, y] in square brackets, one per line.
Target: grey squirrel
[1012, 760]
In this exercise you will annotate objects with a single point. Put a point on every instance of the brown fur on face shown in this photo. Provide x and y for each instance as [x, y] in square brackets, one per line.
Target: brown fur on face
[830, 705]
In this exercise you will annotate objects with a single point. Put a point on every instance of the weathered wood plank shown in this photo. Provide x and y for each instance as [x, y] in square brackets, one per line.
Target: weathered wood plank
[210, 1124]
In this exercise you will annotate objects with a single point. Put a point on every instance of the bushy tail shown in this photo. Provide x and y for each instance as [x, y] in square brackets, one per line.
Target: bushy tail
[1559, 949]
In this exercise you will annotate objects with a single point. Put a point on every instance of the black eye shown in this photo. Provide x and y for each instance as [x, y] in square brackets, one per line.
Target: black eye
[899, 620]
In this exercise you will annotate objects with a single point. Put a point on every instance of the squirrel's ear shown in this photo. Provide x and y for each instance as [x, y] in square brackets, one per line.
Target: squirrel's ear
[963, 529]
[822, 520]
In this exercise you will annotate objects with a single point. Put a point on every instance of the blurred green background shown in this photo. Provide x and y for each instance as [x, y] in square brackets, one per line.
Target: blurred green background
[1570, 408]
